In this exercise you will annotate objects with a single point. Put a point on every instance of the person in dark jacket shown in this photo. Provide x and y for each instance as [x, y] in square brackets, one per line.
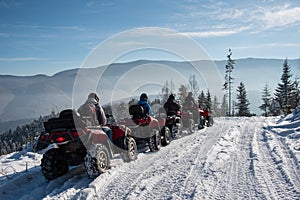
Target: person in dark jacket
[189, 101]
[93, 109]
[171, 106]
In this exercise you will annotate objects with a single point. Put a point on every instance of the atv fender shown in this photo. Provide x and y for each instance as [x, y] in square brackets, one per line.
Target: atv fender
[50, 146]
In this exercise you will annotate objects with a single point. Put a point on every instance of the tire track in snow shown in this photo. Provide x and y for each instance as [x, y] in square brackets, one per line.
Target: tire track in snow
[154, 179]
[271, 172]
[232, 179]
[193, 187]
[164, 172]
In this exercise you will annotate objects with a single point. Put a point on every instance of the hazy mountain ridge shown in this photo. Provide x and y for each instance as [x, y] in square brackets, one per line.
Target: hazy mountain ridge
[27, 97]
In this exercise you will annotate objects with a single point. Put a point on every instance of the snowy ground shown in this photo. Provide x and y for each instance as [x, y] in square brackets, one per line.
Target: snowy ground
[237, 158]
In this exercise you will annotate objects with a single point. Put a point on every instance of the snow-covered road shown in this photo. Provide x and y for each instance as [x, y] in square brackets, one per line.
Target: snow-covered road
[237, 158]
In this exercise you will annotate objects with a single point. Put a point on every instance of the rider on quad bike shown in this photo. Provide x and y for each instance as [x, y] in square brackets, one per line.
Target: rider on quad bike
[79, 139]
[190, 113]
[172, 109]
[93, 109]
[144, 126]
[144, 103]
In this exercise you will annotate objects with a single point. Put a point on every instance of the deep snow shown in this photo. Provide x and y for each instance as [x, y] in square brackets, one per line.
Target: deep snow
[237, 158]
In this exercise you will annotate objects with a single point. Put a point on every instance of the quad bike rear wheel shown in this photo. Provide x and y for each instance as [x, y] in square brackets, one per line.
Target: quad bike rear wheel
[165, 132]
[54, 164]
[210, 122]
[155, 141]
[97, 160]
[130, 154]
[191, 128]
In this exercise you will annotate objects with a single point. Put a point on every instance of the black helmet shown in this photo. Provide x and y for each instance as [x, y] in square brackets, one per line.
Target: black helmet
[144, 96]
[171, 97]
[190, 94]
[94, 96]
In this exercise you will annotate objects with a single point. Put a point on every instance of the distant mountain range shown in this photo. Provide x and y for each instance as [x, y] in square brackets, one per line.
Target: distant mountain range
[29, 97]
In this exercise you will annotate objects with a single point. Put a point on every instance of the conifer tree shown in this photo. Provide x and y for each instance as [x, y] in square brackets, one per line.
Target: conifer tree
[201, 99]
[208, 100]
[183, 92]
[243, 104]
[194, 85]
[229, 79]
[266, 98]
[215, 108]
[165, 92]
[283, 92]
[295, 93]
[224, 106]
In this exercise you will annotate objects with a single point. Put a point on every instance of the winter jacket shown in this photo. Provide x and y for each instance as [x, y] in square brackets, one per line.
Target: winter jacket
[171, 107]
[91, 108]
[146, 106]
[190, 102]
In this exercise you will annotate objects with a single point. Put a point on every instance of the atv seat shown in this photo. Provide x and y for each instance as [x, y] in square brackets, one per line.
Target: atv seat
[138, 116]
[137, 111]
[68, 113]
[68, 119]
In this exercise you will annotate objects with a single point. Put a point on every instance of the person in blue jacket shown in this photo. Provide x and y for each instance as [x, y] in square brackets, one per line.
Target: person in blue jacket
[144, 103]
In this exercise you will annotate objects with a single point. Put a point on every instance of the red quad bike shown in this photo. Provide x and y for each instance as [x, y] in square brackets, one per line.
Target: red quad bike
[172, 122]
[201, 119]
[124, 143]
[208, 119]
[165, 131]
[187, 121]
[144, 129]
[74, 142]
[205, 119]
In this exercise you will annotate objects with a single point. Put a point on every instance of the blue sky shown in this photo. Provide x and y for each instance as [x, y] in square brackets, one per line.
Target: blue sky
[45, 37]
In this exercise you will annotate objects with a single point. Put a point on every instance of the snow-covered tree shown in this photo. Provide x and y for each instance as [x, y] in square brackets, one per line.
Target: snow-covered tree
[266, 98]
[182, 93]
[283, 93]
[224, 106]
[208, 100]
[242, 105]
[194, 85]
[228, 78]
[201, 99]
[215, 108]
[295, 93]
[165, 92]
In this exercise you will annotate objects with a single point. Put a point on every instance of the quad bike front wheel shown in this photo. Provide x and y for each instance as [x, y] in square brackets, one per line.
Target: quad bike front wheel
[130, 154]
[97, 160]
[54, 164]
[155, 141]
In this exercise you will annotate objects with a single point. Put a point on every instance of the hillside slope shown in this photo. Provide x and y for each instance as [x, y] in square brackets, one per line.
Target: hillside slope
[34, 96]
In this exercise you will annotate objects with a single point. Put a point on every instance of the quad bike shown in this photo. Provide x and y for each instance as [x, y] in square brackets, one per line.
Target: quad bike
[173, 122]
[165, 131]
[145, 129]
[201, 122]
[124, 143]
[74, 141]
[205, 119]
[187, 121]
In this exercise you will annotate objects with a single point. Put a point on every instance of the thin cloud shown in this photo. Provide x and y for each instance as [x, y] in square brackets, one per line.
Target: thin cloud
[9, 4]
[269, 45]
[281, 16]
[17, 59]
[99, 4]
[257, 17]
[215, 33]
[4, 35]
